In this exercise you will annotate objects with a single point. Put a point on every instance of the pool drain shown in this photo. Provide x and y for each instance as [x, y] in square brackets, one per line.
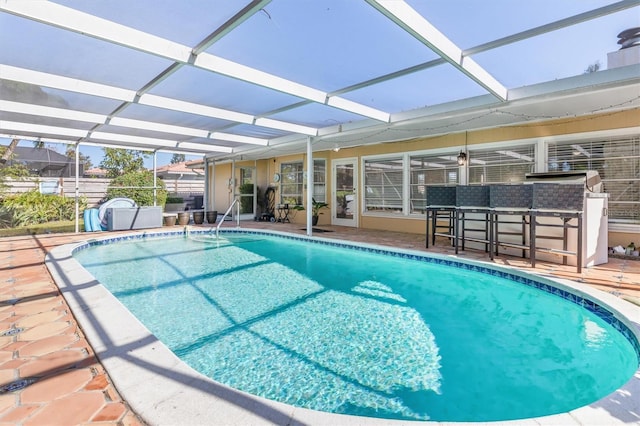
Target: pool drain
[16, 386]
[12, 331]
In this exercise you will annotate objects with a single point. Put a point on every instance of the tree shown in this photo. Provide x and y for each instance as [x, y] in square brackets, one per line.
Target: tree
[594, 67]
[8, 153]
[14, 171]
[84, 159]
[177, 158]
[137, 185]
[117, 161]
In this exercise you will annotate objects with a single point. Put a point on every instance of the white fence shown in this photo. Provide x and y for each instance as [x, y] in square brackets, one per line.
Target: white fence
[94, 190]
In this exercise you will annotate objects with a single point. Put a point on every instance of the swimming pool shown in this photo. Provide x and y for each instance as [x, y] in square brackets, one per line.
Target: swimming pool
[400, 388]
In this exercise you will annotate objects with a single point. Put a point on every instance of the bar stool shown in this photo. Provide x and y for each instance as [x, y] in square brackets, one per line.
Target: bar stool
[472, 199]
[440, 212]
[510, 201]
[564, 202]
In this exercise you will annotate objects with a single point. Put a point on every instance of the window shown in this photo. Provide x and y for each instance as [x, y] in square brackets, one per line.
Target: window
[506, 164]
[430, 170]
[246, 175]
[291, 183]
[383, 185]
[320, 180]
[618, 163]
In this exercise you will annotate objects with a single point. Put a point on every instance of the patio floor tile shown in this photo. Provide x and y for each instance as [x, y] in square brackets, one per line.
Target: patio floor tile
[47, 345]
[45, 390]
[70, 410]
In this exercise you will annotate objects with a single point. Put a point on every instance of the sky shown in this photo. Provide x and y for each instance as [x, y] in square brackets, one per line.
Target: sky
[351, 42]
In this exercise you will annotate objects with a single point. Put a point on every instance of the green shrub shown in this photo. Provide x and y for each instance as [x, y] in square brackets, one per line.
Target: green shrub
[15, 171]
[5, 217]
[129, 185]
[43, 228]
[30, 208]
[175, 200]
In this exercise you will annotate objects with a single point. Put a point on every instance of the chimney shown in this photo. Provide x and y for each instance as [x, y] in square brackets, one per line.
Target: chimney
[629, 52]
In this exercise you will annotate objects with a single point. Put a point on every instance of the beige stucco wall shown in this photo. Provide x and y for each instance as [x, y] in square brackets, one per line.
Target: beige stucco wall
[266, 168]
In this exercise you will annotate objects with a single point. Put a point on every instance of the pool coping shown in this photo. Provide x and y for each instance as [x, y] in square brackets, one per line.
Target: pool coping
[162, 389]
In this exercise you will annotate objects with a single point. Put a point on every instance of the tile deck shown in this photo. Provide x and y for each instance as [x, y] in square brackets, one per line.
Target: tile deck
[49, 374]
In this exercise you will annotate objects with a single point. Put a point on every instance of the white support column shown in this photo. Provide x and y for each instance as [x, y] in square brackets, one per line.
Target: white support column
[213, 185]
[309, 207]
[255, 189]
[541, 155]
[206, 185]
[406, 187]
[155, 178]
[232, 181]
[77, 193]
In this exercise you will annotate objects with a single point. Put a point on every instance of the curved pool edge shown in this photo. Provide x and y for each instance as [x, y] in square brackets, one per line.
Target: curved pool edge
[162, 389]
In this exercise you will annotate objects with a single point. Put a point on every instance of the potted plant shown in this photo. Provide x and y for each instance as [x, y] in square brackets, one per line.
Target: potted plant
[170, 220]
[198, 217]
[184, 218]
[212, 216]
[315, 210]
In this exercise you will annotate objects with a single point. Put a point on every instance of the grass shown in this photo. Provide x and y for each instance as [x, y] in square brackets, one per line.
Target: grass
[43, 228]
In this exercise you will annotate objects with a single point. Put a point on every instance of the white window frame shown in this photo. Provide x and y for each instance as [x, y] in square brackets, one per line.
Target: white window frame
[450, 153]
[540, 162]
[633, 132]
[404, 188]
[300, 182]
[501, 146]
[323, 184]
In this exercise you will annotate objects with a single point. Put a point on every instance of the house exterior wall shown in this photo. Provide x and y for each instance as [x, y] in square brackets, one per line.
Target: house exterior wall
[601, 124]
[221, 190]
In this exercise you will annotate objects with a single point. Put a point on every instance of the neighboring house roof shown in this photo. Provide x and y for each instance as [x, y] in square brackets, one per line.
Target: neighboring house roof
[23, 154]
[195, 164]
[183, 170]
[44, 162]
[95, 172]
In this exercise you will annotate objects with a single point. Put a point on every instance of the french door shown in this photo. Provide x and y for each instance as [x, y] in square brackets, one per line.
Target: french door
[245, 191]
[344, 199]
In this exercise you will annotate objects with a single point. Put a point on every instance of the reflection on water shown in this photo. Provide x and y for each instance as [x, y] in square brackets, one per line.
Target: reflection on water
[594, 335]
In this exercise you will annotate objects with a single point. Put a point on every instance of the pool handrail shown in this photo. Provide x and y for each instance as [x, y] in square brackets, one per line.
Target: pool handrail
[235, 201]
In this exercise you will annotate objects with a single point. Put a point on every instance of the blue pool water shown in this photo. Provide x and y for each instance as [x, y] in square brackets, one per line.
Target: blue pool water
[361, 333]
